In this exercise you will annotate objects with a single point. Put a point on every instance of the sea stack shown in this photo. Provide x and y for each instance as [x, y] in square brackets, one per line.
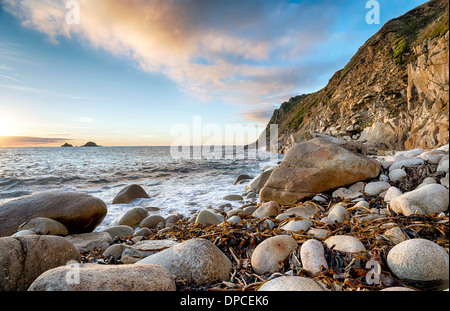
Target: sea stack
[90, 144]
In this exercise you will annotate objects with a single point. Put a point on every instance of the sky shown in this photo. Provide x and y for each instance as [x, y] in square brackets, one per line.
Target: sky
[132, 73]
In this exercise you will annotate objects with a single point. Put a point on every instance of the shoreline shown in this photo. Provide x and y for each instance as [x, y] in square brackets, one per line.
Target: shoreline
[238, 233]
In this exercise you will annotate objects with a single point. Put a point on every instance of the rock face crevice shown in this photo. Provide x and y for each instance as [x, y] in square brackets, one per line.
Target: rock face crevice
[394, 92]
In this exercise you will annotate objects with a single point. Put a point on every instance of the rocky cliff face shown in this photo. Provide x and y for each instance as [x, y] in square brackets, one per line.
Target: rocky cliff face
[394, 93]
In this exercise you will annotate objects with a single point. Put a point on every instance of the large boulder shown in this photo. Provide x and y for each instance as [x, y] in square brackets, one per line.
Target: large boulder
[129, 193]
[79, 212]
[94, 277]
[420, 261]
[197, 260]
[313, 167]
[24, 258]
[433, 198]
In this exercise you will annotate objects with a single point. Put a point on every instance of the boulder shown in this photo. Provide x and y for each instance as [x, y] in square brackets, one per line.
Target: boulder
[345, 243]
[241, 177]
[297, 225]
[208, 217]
[377, 187]
[291, 283]
[391, 194]
[197, 260]
[313, 167]
[131, 217]
[420, 260]
[338, 213]
[94, 277]
[45, 226]
[397, 175]
[312, 255]
[443, 164]
[259, 181]
[270, 254]
[233, 197]
[269, 209]
[432, 198]
[152, 221]
[90, 241]
[129, 193]
[120, 231]
[24, 258]
[79, 212]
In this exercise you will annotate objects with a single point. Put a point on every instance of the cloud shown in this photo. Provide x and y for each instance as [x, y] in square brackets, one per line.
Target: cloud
[244, 52]
[19, 141]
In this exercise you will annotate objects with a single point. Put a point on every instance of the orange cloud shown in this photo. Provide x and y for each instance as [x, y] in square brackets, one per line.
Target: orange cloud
[242, 51]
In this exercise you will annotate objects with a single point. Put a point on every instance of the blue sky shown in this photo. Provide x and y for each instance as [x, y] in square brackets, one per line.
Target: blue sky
[131, 70]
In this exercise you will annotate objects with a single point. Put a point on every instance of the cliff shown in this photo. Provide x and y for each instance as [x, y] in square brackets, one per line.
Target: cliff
[393, 94]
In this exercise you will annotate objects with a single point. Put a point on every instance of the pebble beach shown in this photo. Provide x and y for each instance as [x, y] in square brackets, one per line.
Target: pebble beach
[387, 233]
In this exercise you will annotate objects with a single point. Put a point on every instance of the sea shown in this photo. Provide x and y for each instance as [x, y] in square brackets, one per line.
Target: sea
[175, 184]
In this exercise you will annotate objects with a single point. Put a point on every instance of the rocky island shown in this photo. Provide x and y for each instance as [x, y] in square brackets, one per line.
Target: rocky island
[90, 144]
[67, 145]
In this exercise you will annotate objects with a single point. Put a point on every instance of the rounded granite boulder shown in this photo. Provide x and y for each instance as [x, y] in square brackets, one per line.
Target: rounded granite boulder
[79, 212]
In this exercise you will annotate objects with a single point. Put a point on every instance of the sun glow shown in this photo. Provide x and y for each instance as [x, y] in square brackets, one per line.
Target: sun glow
[6, 129]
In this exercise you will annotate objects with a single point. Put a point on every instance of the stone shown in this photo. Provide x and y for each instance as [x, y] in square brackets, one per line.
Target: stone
[318, 233]
[433, 156]
[363, 204]
[312, 255]
[79, 212]
[338, 213]
[420, 260]
[172, 219]
[345, 243]
[442, 167]
[357, 187]
[131, 217]
[269, 209]
[345, 193]
[395, 235]
[433, 198]
[144, 232]
[445, 181]
[259, 181]
[119, 231]
[94, 277]
[297, 225]
[397, 175]
[152, 221]
[233, 197]
[234, 219]
[24, 258]
[290, 283]
[90, 241]
[270, 254]
[130, 193]
[306, 210]
[115, 251]
[45, 226]
[391, 194]
[146, 248]
[241, 177]
[313, 167]
[377, 187]
[410, 153]
[208, 217]
[197, 260]
[406, 163]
